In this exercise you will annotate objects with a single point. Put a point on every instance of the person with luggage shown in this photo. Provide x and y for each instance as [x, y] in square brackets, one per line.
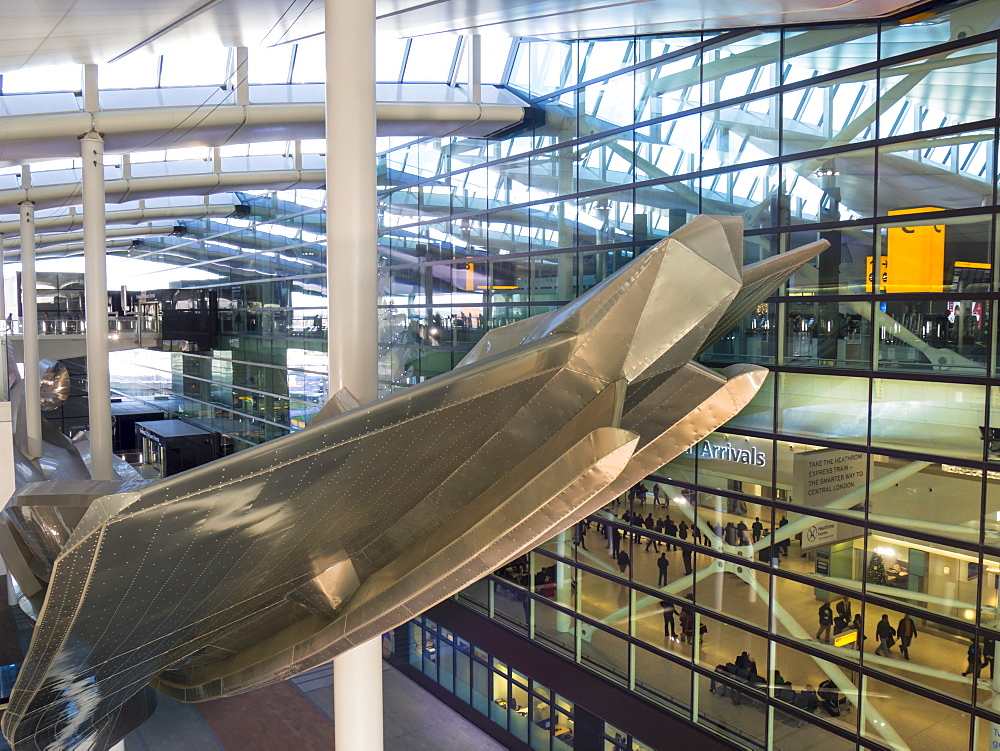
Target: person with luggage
[825, 623]
[886, 636]
[906, 630]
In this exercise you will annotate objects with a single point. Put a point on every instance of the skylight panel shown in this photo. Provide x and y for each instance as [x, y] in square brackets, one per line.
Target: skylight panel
[43, 78]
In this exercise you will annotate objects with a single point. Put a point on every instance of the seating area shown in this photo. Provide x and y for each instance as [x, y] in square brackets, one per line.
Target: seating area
[743, 673]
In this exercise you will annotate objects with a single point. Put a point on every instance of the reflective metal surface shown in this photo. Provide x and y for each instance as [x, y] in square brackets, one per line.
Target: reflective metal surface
[55, 384]
[254, 568]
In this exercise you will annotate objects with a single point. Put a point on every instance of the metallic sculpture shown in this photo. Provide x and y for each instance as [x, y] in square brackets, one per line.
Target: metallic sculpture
[267, 563]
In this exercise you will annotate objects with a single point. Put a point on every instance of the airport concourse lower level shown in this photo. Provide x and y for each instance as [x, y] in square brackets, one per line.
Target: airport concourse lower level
[762, 623]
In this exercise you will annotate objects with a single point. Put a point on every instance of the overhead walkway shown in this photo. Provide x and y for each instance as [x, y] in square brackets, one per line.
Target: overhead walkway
[64, 338]
[46, 126]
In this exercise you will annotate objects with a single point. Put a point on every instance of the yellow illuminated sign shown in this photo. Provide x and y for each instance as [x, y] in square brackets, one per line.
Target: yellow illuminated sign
[913, 260]
[916, 255]
[845, 637]
[883, 275]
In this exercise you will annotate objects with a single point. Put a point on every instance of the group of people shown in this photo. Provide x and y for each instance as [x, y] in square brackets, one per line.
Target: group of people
[744, 669]
[885, 634]
[685, 621]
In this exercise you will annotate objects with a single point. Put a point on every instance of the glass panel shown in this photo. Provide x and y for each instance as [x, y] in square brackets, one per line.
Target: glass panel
[815, 685]
[554, 629]
[823, 407]
[840, 269]
[604, 653]
[662, 681]
[896, 716]
[430, 58]
[827, 49]
[901, 409]
[930, 254]
[965, 158]
[911, 97]
[733, 711]
[836, 187]
[828, 334]
[938, 579]
[936, 500]
[934, 335]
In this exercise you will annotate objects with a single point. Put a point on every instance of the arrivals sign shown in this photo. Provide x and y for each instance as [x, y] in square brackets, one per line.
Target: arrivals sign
[724, 450]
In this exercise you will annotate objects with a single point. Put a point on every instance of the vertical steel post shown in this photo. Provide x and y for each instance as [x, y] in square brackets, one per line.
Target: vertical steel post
[95, 283]
[475, 60]
[352, 283]
[29, 326]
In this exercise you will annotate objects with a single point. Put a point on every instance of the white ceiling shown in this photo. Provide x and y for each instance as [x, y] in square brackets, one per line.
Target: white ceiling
[46, 32]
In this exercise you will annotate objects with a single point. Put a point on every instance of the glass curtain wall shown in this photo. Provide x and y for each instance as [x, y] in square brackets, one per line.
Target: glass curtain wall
[243, 312]
[860, 491]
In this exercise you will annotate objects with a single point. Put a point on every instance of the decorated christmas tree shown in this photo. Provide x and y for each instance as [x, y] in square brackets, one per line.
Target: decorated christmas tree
[876, 570]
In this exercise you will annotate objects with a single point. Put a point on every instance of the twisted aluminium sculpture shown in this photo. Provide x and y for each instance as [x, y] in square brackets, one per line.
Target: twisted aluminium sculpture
[267, 563]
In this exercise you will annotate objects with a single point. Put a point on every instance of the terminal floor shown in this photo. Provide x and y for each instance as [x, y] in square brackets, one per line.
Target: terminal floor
[298, 714]
[918, 722]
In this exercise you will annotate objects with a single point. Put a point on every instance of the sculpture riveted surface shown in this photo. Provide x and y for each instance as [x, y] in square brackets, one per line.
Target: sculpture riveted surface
[259, 566]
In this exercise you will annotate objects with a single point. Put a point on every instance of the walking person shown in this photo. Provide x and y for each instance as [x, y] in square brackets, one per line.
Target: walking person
[669, 627]
[906, 630]
[975, 661]
[859, 643]
[650, 540]
[623, 561]
[656, 494]
[671, 529]
[844, 609]
[741, 533]
[662, 564]
[886, 636]
[686, 556]
[682, 530]
[616, 542]
[756, 529]
[731, 534]
[825, 623]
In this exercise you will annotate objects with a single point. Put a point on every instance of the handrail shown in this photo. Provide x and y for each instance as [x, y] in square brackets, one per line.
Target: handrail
[74, 326]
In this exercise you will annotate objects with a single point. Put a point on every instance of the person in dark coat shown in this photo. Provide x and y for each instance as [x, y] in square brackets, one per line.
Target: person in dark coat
[746, 662]
[662, 564]
[731, 535]
[756, 530]
[616, 542]
[682, 530]
[906, 630]
[857, 626]
[623, 561]
[884, 632]
[671, 529]
[825, 622]
[686, 556]
[786, 542]
[844, 609]
[840, 625]
[975, 659]
[669, 627]
[741, 533]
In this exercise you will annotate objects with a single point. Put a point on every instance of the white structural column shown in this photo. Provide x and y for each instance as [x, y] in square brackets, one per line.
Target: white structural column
[29, 305]
[95, 283]
[352, 283]
[3, 291]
